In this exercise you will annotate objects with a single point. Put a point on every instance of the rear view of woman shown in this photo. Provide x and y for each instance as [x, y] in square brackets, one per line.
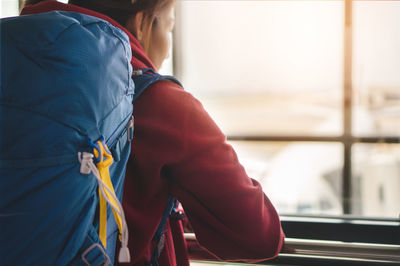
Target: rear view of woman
[179, 151]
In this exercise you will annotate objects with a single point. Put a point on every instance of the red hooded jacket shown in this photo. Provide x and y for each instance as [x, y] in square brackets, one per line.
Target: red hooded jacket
[178, 150]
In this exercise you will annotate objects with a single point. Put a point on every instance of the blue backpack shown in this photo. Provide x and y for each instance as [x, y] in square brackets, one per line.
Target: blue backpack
[65, 129]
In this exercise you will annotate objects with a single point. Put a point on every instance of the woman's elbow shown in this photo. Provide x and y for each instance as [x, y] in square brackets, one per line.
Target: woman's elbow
[267, 246]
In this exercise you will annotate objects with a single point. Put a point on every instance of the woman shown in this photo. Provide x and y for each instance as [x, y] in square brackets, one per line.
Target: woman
[178, 150]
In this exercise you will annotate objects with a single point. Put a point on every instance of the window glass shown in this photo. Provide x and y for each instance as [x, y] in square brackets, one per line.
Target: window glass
[298, 177]
[376, 67]
[167, 66]
[265, 67]
[376, 179]
[8, 8]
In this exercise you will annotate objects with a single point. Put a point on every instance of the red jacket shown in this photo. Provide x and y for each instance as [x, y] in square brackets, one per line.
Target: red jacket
[179, 150]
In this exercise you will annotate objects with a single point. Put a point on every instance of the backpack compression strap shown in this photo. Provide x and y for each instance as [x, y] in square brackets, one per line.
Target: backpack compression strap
[103, 159]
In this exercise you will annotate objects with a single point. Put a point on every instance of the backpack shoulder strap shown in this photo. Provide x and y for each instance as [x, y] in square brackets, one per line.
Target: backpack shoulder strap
[144, 77]
[159, 237]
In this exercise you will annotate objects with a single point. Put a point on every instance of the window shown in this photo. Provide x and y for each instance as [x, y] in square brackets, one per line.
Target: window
[307, 93]
[9, 8]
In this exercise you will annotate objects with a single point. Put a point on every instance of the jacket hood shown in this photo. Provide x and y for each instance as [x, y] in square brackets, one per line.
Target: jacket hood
[139, 57]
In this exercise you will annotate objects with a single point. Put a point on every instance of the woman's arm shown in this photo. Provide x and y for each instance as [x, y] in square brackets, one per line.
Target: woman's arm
[228, 211]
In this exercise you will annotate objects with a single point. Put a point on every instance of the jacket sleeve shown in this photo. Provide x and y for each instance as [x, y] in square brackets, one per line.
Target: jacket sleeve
[229, 213]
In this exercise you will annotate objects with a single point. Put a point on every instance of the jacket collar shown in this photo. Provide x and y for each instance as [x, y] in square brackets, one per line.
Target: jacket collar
[139, 57]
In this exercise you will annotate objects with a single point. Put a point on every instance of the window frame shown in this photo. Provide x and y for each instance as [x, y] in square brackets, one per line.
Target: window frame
[327, 240]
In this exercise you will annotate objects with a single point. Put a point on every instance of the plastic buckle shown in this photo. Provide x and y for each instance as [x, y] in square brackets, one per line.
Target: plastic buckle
[177, 215]
[96, 150]
[106, 261]
[129, 129]
[101, 152]
[137, 72]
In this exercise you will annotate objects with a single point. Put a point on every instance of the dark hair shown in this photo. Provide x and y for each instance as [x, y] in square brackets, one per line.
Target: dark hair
[118, 10]
[121, 10]
[30, 2]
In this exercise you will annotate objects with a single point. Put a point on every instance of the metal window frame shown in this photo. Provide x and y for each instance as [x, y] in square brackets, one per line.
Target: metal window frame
[328, 240]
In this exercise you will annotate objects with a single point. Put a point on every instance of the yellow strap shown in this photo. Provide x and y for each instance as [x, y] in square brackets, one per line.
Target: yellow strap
[103, 166]
[103, 220]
